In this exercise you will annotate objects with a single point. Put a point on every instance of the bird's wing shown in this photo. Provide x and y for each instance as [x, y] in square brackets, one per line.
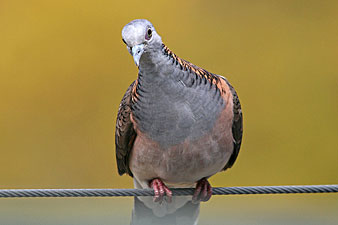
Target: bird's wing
[124, 133]
[237, 126]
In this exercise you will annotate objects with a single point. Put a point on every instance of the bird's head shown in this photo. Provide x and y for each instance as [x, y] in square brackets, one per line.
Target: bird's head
[140, 37]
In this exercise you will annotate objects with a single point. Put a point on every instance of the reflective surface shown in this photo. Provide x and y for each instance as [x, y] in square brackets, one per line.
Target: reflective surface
[260, 210]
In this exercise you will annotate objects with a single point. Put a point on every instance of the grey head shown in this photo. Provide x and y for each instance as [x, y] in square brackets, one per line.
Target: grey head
[140, 37]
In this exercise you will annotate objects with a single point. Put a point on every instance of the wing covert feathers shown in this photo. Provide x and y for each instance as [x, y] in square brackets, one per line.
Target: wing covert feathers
[237, 127]
[124, 133]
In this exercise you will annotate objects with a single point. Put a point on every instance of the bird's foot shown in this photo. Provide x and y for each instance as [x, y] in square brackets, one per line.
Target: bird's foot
[203, 191]
[160, 190]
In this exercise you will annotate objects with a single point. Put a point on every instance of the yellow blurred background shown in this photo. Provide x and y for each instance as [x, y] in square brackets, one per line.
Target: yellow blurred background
[64, 70]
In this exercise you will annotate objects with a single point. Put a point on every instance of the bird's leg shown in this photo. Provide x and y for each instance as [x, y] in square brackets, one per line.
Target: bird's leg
[160, 190]
[203, 191]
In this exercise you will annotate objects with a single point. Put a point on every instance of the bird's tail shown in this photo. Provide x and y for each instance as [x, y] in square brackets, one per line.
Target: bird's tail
[160, 214]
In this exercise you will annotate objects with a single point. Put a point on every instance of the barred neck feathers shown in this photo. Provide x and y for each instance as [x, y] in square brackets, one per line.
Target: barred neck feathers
[187, 66]
[164, 62]
[161, 64]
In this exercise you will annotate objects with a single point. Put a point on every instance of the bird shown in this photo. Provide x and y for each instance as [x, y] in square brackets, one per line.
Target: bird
[177, 124]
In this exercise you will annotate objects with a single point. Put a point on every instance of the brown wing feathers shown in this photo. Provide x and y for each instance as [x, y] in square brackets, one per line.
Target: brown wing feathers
[124, 133]
[237, 126]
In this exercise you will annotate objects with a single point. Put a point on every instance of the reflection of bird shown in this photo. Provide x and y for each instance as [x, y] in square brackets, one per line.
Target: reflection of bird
[177, 124]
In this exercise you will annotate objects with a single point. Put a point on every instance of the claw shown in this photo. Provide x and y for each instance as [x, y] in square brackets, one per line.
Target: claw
[203, 191]
[160, 190]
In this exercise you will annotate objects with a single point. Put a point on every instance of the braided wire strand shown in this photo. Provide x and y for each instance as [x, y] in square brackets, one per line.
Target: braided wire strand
[298, 189]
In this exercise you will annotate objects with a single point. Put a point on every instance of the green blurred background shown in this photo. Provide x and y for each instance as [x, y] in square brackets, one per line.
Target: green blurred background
[64, 69]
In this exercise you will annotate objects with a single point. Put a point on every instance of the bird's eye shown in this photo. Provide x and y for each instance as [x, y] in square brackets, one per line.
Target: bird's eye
[149, 34]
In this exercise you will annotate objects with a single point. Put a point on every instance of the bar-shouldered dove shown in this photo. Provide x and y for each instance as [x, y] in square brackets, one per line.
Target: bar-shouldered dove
[177, 123]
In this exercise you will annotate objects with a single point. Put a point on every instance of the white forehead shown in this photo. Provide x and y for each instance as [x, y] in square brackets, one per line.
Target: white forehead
[134, 32]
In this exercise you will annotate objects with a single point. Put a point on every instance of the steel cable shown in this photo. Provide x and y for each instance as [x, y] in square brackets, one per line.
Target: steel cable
[298, 189]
